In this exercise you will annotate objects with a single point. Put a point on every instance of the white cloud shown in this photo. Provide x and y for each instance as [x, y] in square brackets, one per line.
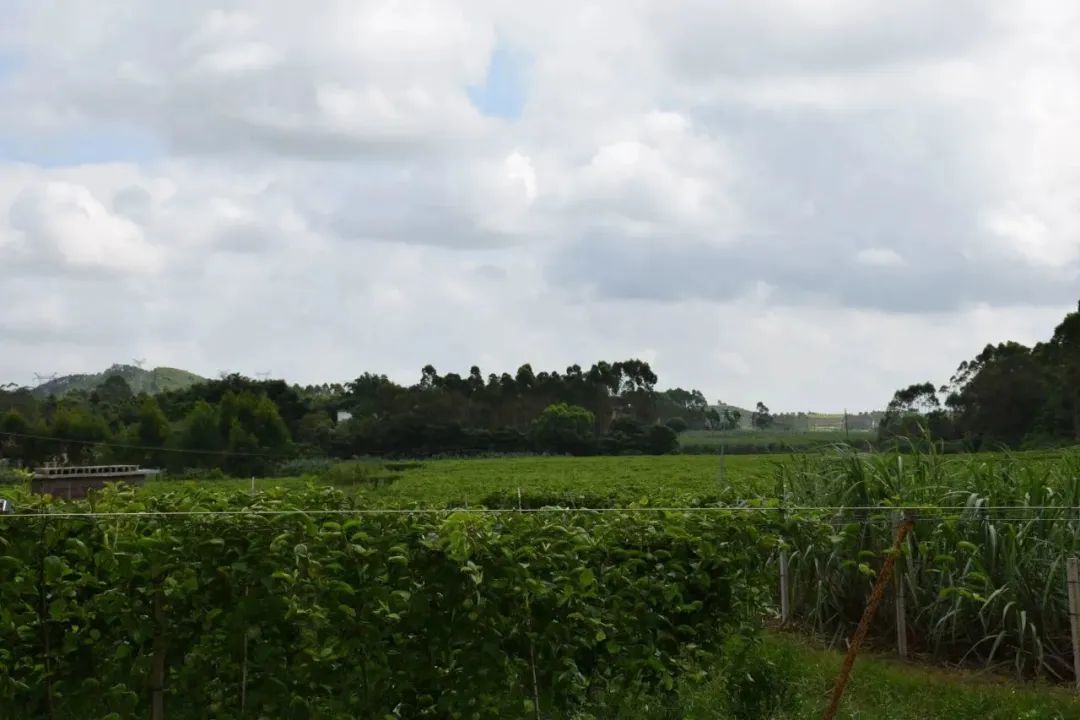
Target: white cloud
[63, 223]
[880, 257]
[744, 192]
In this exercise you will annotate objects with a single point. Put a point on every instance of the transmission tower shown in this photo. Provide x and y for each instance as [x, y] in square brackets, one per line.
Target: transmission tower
[264, 375]
[139, 362]
[42, 379]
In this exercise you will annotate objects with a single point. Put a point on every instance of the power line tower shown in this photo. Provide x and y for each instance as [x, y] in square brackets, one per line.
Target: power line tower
[42, 379]
[264, 375]
[139, 362]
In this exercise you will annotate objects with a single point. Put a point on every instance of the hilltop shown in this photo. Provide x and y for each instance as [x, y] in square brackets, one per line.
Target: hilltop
[160, 379]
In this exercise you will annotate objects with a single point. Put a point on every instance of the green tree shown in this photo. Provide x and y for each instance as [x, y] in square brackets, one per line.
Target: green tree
[267, 426]
[79, 430]
[762, 419]
[13, 422]
[661, 440]
[1002, 395]
[677, 424]
[14, 447]
[316, 428]
[153, 426]
[114, 391]
[732, 418]
[201, 433]
[563, 428]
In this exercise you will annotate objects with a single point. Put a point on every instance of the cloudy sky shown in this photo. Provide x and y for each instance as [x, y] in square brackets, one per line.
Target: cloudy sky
[806, 202]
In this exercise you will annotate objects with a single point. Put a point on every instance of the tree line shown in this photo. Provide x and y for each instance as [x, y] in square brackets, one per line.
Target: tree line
[1008, 395]
[243, 426]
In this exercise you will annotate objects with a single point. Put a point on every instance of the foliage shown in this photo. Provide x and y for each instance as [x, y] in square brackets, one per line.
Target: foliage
[563, 428]
[1007, 395]
[308, 615]
[769, 441]
[885, 689]
[677, 424]
[985, 581]
[602, 481]
[261, 423]
[762, 418]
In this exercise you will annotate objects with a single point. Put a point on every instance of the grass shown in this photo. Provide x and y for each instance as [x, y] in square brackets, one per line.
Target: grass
[795, 682]
[887, 689]
[883, 688]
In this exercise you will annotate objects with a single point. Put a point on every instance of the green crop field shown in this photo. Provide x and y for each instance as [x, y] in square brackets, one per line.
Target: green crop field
[601, 481]
[774, 441]
[591, 481]
[983, 574]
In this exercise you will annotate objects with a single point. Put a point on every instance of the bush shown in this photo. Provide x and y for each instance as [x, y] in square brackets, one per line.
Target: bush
[305, 466]
[394, 615]
[563, 428]
[354, 472]
[677, 424]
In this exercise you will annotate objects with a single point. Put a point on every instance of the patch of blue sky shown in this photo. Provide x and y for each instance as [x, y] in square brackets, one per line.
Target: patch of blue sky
[504, 90]
[98, 143]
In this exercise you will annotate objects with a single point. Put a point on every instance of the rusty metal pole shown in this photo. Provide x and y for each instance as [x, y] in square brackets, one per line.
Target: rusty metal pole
[867, 617]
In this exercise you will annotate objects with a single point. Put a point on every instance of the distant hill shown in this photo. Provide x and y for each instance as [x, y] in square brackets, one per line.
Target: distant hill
[154, 381]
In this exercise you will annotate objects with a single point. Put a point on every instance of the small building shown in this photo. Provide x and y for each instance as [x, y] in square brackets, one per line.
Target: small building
[75, 481]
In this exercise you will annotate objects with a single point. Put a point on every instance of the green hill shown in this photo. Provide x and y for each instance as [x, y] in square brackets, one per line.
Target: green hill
[154, 381]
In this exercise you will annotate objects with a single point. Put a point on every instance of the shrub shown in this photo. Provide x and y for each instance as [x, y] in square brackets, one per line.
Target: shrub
[677, 424]
[563, 428]
[382, 615]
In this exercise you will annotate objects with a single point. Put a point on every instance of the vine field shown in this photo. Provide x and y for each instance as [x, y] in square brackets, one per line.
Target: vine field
[519, 587]
[323, 613]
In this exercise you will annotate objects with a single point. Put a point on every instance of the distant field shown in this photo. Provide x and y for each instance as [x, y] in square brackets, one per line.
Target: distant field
[767, 440]
[592, 480]
[586, 481]
[581, 481]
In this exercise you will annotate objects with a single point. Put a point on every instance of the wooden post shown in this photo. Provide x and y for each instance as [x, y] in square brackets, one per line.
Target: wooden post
[243, 677]
[785, 573]
[723, 468]
[1073, 578]
[785, 591]
[157, 661]
[901, 613]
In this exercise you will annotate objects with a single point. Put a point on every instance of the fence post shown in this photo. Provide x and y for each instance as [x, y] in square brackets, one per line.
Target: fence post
[1073, 582]
[157, 660]
[785, 573]
[901, 612]
[785, 590]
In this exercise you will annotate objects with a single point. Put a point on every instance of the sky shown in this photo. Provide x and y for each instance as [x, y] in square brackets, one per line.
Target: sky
[809, 203]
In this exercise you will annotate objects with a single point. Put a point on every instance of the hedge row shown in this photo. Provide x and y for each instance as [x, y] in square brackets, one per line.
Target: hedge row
[377, 615]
